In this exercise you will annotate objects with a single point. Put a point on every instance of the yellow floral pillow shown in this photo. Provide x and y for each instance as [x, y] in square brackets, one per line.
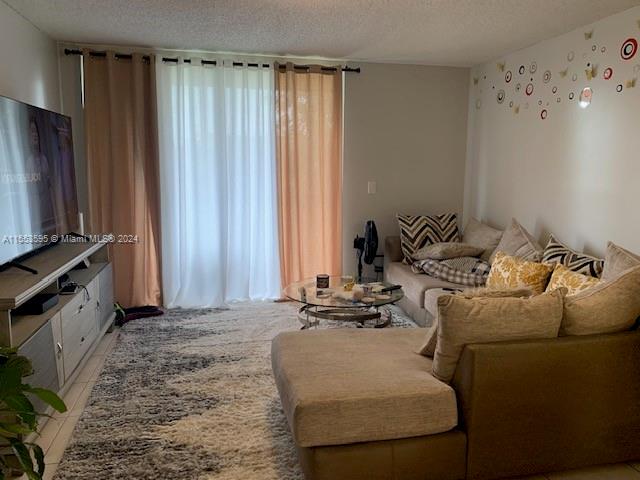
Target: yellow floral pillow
[512, 272]
[574, 282]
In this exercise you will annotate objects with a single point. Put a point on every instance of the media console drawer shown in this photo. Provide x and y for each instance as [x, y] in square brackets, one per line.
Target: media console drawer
[79, 328]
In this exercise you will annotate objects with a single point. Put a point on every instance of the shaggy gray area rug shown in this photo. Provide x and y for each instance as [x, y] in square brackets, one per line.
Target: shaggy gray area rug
[190, 395]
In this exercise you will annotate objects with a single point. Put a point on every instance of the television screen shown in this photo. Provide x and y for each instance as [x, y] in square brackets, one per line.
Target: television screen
[37, 178]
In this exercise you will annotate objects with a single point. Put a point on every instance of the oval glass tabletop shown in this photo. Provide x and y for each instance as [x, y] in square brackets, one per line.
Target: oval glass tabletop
[337, 296]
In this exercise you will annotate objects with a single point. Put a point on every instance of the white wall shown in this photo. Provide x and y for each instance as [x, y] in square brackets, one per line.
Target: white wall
[405, 128]
[29, 62]
[576, 173]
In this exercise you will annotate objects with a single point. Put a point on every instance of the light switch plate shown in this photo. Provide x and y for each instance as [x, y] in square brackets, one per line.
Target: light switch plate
[371, 187]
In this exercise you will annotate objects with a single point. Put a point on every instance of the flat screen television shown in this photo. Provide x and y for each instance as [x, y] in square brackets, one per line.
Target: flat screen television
[38, 196]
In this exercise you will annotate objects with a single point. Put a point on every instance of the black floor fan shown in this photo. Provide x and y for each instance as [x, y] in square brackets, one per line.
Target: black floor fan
[366, 246]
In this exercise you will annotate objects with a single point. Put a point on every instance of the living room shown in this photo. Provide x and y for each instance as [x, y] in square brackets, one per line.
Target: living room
[313, 241]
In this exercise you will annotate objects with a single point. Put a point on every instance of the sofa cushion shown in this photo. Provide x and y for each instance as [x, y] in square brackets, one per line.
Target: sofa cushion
[574, 282]
[418, 231]
[517, 242]
[463, 321]
[557, 252]
[345, 386]
[617, 260]
[482, 235]
[509, 272]
[414, 285]
[611, 306]
[469, 271]
[446, 250]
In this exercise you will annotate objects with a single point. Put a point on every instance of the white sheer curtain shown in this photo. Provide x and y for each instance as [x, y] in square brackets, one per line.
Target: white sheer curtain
[217, 184]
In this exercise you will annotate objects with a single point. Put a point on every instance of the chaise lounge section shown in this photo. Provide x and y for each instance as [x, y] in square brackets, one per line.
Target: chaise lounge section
[362, 405]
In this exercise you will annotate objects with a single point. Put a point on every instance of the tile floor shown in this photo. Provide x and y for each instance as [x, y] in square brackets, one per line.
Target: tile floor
[57, 432]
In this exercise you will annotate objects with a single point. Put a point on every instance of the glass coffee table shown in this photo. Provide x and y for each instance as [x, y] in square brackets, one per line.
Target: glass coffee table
[338, 304]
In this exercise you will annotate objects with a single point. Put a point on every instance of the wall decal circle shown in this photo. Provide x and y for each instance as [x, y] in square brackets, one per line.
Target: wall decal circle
[533, 68]
[554, 89]
[571, 55]
[540, 102]
[543, 114]
[608, 73]
[507, 76]
[629, 48]
[603, 49]
[546, 76]
[574, 77]
[558, 99]
[571, 96]
[529, 89]
[500, 96]
[511, 103]
[619, 88]
[594, 48]
[521, 69]
[518, 87]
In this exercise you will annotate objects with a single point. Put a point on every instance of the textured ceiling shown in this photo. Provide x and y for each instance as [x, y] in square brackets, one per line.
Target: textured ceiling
[440, 32]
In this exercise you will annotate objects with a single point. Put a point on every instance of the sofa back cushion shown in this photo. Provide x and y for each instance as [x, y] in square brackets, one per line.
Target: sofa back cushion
[517, 242]
[508, 272]
[611, 306]
[557, 252]
[482, 235]
[418, 231]
[463, 321]
[617, 260]
[574, 282]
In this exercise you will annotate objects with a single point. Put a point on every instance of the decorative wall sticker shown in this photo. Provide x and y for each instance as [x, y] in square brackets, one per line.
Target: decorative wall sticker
[540, 102]
[571, 55]
[516, 109]
[521, 69]
[574, 77]
[558, 100]
[591, 71]
[511, 104]
[563, 73]
[508, 76]
[603, 49]
[529, 89]
[588, 35]
[475, 80]
[619, 88]
[518, 87]
[554, 89]
[571, 95]
[543, 114]
[608, 73]
[546, 76]
[500, 66]
[533, 68]
[478, 104]
[629, 48]
[585, 97]
[500, 96]
[631, 83]
[594, 47]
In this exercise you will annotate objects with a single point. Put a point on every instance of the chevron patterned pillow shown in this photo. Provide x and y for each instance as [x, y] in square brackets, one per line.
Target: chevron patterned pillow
[557, 252]
[418, 231]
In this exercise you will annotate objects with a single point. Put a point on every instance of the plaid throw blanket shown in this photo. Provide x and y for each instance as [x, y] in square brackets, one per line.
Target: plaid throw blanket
[469, 271]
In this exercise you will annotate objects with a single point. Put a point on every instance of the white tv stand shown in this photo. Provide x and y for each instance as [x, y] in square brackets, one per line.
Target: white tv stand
[59, 340]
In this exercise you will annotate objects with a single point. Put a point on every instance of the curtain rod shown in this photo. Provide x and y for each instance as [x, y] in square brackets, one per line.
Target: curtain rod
[72, 51]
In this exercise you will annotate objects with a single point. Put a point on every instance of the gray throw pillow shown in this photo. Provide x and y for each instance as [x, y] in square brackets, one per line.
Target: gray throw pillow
[446, 250]
[482, 235]
[517, 242]
[618, 260]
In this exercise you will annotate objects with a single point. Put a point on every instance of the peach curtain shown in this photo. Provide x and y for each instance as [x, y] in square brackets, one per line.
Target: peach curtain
[122, 168]
[309, 158]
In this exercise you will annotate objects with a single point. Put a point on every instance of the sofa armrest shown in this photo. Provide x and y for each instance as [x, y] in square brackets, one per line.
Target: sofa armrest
[392, 249]
[545, 405]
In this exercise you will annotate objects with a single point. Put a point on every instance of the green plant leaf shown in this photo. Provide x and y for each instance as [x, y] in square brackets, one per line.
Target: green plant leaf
[39, 456]
[10, 381]
[48, 397]
[14, 429]
[21, 364]
[24, 457]
[23, 408]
